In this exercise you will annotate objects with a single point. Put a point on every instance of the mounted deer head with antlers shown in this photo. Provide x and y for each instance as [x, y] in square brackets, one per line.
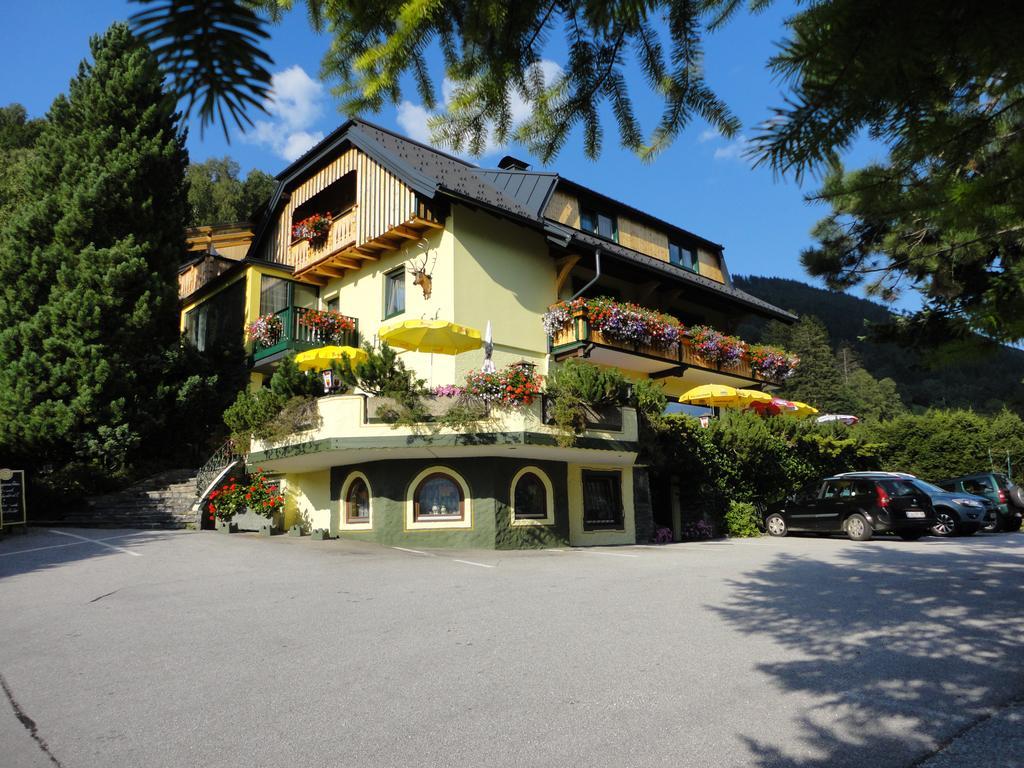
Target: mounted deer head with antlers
[422, 274]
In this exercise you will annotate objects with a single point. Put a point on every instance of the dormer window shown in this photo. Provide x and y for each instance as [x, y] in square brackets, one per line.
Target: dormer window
[684, 257]
[599, 223]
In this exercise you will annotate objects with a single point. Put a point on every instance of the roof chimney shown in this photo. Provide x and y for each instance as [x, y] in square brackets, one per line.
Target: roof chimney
[509, 163]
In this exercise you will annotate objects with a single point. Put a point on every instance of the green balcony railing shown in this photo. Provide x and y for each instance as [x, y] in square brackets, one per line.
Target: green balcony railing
[298, 336]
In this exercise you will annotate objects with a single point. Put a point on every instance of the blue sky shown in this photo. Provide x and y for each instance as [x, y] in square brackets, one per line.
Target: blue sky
[701, 183]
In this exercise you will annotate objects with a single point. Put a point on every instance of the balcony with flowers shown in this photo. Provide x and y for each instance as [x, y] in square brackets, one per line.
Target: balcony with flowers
[640, 339]
[320, 238]
[297, 329]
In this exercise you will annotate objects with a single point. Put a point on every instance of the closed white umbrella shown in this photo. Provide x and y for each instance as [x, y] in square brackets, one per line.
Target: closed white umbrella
[488, 366]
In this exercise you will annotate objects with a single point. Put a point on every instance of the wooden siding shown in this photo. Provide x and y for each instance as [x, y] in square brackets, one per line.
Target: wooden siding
[710, 265]
[383, 202]
[648, 241]
[564, 208]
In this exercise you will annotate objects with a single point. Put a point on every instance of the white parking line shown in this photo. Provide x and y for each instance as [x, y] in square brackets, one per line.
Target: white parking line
[40, 549]
[99, 543]
[470, 562]
[84, 540]
[414, 551]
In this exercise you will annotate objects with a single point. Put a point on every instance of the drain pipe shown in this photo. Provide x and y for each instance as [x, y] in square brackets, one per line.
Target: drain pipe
[597, 275]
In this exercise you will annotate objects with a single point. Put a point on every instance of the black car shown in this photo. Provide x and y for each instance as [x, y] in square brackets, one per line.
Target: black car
[957, 514]
[859, 504]
[997, 487]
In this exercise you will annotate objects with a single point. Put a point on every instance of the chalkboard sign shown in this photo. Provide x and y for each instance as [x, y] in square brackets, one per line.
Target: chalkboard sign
[12, 497]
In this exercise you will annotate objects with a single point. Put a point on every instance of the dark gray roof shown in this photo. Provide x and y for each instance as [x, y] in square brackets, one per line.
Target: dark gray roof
[523, 195]
[530, 189]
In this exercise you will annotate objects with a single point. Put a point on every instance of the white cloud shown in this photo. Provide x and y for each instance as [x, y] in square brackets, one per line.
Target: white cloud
[709, 135]
[294, 105]
[413, 117]
[734, 149]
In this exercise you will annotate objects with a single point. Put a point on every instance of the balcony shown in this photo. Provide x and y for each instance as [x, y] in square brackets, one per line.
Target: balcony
[298, 336]
[317, 256]
[580, 339]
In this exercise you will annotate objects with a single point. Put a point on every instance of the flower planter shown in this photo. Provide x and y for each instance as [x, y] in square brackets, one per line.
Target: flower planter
[225, 526]
[375, 406]
[603, 417]
[321, 534]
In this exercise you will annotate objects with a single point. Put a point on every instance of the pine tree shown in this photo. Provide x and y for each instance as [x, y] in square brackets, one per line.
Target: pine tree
[88, 299]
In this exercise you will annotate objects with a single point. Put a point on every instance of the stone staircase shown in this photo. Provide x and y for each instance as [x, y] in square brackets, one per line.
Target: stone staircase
[161, 501]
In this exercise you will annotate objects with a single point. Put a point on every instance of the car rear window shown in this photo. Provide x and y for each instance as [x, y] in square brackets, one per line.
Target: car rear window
[897, 487]
[1001, 481]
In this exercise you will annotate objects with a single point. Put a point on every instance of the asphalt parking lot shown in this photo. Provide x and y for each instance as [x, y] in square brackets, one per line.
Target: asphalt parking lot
[152, 649]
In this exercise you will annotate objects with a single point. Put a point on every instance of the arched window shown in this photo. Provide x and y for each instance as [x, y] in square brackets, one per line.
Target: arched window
[532, 498]
[357, 502]
[438, 497]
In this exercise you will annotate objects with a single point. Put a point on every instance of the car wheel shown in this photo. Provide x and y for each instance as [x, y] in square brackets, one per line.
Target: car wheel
[857, 528]
[994, 527]
[910, 535]
[776, 525]
[946, 523]
[1012, 524]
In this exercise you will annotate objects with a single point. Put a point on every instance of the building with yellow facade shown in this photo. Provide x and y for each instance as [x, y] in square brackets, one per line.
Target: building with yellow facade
[498, 246]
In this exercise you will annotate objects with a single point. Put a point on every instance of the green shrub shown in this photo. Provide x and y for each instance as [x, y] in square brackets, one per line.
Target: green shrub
[741, 520]
[649, 399]
[575, 388]
[381, 374]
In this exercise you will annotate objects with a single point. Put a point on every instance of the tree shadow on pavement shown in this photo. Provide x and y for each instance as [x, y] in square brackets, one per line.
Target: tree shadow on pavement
[926, 642]
[44, 548]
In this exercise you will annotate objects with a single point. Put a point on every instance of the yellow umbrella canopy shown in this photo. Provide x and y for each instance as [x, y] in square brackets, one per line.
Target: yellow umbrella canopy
[435, 336]
[322, 357]
[802, 409]
[722, 396]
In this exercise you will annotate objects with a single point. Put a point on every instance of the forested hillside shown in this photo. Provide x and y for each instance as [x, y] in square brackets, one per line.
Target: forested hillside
[985, 382]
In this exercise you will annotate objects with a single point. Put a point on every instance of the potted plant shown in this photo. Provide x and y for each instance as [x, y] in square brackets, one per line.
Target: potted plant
[224, 503]
[716, 348]
[327, 325]
[313, 228]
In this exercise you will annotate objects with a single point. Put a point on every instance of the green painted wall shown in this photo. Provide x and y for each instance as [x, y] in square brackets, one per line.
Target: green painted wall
[489, 480]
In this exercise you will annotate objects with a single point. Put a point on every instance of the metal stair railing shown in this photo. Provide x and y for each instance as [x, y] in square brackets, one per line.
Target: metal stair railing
[223, 459]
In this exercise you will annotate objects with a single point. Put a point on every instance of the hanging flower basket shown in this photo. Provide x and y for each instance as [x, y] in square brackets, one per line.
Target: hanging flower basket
[265, 331]
[313, 228]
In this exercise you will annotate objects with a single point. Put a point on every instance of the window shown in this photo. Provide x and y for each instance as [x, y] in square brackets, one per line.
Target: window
[218, 323]
[273, 295]
[599, 223]
[602, 501]
[394, 293]
[839, 489]
[438, 497]
[333, 304]
[357, 502]
[532, 498]
[683, 257]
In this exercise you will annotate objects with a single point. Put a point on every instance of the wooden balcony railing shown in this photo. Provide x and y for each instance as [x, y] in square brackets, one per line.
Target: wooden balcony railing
[341, 235]
[297, 336]
[579, 335]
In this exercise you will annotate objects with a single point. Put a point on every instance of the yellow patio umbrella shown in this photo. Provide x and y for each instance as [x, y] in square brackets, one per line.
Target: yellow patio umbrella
[434, 336]
[322, 357]
[722, 396]
[802, 409]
